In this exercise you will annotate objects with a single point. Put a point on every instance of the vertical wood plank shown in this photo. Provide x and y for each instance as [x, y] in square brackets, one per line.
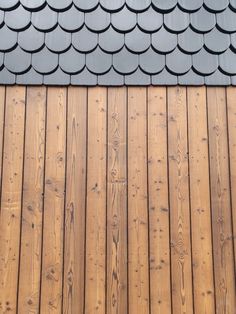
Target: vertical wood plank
[231, 106]
[29, 283]
[203, 281]
[96, 202]
[75, 202]
[10, 216]
[117, 203]
[179, 201]
[220, 199]
[160, 290]
[137, 202]
[2, 114]
[51, 291]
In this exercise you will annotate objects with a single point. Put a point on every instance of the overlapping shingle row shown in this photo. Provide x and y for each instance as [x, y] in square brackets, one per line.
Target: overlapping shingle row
[116, 42]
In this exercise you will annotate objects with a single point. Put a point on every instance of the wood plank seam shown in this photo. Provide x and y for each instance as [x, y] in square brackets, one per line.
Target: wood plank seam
[211, 207]
[168, 186]
[43, 204]
[230, 187]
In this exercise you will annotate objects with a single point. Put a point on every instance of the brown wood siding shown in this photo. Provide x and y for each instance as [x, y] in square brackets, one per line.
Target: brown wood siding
[117, 200]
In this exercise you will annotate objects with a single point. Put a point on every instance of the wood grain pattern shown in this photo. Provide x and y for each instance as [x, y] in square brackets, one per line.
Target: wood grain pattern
[203, 280]
[73, 294]
[231, 107]
[220, 199]
[11, 197]
[138, 267]
[160, 290]
[117, 200]
[53, 226]
[96, 202]
[32, 209]
[117, 302]
[179, 202]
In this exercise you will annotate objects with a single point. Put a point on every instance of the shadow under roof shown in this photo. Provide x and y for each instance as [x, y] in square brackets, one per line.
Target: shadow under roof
[118, 42]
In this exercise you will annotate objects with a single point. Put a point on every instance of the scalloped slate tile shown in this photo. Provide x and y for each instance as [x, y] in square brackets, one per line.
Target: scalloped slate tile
[57, 78]
[45, 19]
[176, 21]
[33, 5]
[228, 62]
[31, 40]
[138, 5]
[85, 40]
[17, 19]
[8, 4]
[45, 61]
[6, 77]
[150, 20]
[84, 78]
[105, 42]
[72, 61]
[137, 41]
[190, 41]
[216, 6]
[226, 21]
[213, 38]
[30, 78]
[163, 41]
[125, 62]
[17, 61]
[98, 62]
[205, 63]
[178, 62]
[124, 20]
[111, 78]
[138, 78]
[202, 21]
[8, 39]
[217, 78]
[151, 62]
[164, 5]
[59, 5]
[112, 6]
[164, 78]
[111, 41]
[71, 20]
[98, 20]
[191, 78]
[190, 5]
[86, 5]
[58, 40]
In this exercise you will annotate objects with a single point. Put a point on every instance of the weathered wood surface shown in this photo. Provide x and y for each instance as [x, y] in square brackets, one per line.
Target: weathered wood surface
[117, 200]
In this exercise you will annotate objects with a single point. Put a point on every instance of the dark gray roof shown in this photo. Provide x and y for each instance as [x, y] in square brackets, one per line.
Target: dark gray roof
[116, 42]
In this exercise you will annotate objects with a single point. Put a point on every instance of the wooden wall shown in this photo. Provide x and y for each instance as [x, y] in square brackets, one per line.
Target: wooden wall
[118, 200]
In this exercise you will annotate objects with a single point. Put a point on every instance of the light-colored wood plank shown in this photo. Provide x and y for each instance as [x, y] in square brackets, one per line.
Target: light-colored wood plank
[160, 290]
[51, 290]
[179, 202]
[73, 295]
[117, 203]
[137, 202]
[231, 106]
[203, 281]
[2, 113]
[31, 238]
[96, 203]
[220, 199]
[10, 217]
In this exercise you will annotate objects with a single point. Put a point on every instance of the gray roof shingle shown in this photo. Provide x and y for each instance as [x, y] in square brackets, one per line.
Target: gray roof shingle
[117, 42]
